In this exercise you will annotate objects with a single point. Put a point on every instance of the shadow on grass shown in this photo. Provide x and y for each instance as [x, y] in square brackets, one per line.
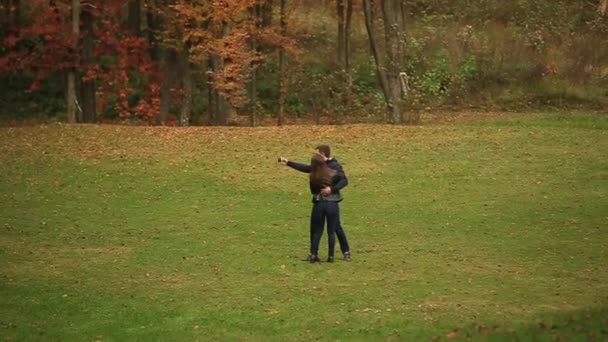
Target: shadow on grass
[582, 325]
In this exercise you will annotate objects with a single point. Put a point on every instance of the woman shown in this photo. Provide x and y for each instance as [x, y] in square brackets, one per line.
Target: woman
[324, 186]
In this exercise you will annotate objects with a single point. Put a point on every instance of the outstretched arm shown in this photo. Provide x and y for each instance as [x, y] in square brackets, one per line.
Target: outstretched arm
[300, 167]
[297, 166]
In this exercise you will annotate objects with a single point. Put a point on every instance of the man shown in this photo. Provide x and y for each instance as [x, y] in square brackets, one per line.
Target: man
[325, 152]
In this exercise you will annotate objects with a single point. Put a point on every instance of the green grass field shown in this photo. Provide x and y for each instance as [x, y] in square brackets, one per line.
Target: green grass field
[490, 228]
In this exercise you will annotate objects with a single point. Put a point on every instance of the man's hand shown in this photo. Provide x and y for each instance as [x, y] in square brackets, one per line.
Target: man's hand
[283, 160]
[326, 191]
[321, 154]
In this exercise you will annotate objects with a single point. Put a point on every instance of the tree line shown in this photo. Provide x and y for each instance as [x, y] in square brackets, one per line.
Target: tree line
[215, 62]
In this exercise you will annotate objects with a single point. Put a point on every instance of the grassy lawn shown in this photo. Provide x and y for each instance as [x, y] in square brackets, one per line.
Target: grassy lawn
[494, 228]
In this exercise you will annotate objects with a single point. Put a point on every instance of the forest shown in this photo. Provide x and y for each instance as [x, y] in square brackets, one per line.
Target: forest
[275, 62]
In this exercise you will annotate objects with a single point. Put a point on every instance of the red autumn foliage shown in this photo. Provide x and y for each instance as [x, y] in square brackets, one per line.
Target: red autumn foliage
[121, 67]
[45, 46]
[129, 60]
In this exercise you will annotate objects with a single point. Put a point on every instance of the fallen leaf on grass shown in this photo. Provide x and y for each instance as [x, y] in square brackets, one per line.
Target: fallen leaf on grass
[454, 334]
[271, 311]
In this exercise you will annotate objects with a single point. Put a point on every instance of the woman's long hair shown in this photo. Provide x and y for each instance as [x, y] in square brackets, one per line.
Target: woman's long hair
[320, 173]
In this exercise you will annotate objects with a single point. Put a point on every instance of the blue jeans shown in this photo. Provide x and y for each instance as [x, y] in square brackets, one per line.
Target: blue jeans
[344, 247]
[324, 211]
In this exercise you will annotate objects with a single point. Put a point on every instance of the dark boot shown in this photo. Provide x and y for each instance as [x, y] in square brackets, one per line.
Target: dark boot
[312, 258]
[347, 256]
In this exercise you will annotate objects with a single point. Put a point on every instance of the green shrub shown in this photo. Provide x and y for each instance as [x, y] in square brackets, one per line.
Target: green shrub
[17, 102]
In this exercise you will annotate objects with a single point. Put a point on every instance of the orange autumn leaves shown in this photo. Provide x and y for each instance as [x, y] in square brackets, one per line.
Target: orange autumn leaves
[227, 30]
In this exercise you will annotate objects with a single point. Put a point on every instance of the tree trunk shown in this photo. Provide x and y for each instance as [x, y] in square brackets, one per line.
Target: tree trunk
[17, 14]
[220, 109]
[341, 34]
[228, 110]
[88, 58]
[167, 80]
[348, 52]
[188, 88]
[12, 14]
[411, 118]
[134, 17]
[344, 18]
[253, 99]
[401, 20]
[391, 13]
[261, 13]
[282, 88]
[6, 14]
[256, 16]
[5, 20]
[165, 96]
[71, 97]
[369, 25]
[602, 8]
[266, 12]
[153, 24]
[211, 92]
[166, 57]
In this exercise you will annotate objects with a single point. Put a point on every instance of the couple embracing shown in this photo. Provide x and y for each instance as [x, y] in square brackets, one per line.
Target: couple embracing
[326, 179]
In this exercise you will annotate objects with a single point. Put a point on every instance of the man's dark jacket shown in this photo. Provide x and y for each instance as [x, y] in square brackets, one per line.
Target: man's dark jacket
[339, 181]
